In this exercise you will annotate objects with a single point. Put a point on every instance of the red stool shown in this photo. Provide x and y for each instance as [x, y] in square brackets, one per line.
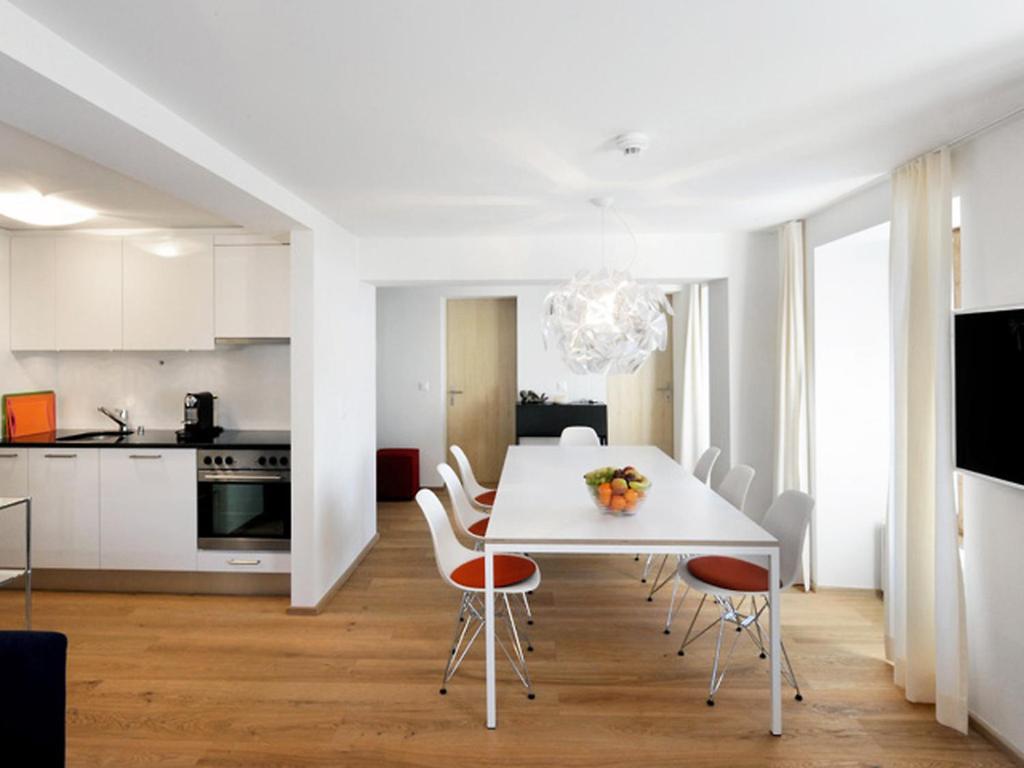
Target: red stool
[398, 473]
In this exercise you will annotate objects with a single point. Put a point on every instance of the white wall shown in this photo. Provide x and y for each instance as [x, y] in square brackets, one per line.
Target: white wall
[744, 265]
[851, 379]
[988, 174]
[333, 411]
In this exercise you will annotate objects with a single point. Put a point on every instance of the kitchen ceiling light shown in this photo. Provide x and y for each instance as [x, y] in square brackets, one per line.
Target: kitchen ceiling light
[171, 247]
[31, 207]
[604, 321]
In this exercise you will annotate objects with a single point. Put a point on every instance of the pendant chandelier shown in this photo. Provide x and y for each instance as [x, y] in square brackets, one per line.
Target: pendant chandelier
[604, 321]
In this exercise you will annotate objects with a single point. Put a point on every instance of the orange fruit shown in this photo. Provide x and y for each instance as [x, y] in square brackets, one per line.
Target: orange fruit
[631, 496]
[618, 503]
[630, 503]
[605, 488]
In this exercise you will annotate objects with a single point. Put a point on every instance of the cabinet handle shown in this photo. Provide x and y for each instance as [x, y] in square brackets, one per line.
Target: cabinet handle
[8, 455]
[145, 456]
[60, 455]
[240, 561]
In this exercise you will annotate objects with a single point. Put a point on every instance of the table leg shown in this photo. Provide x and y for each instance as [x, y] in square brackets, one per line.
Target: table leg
[776, 643]
[492, 698]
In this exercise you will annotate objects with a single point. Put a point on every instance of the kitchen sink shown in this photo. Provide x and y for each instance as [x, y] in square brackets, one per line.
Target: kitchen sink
[95, 435]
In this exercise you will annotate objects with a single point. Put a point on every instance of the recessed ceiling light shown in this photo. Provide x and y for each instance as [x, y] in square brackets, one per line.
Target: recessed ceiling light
[171, 247]
[31, 207]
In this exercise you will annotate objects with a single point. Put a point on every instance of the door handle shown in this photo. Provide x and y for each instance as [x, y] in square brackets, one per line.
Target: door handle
[452, 393]
[60, 455]
[667, 389]
[8, 455]
[241, 561]
[145, 456]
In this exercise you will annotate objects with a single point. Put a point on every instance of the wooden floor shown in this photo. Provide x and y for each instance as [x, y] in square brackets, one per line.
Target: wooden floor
[213, 681]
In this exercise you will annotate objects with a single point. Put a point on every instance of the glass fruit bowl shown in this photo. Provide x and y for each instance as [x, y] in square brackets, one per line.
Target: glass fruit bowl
[617, 491]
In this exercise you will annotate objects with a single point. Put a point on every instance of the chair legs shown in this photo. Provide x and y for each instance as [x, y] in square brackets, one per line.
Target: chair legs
[469, 622]
[747, 624]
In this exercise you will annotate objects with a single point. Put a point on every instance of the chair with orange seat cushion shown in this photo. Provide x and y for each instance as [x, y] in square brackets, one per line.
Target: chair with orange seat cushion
[482, 497]
[473, 524]
[463, 569]
[728, 579]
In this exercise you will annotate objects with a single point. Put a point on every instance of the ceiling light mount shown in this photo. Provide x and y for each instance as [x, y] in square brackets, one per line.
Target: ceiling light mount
[632, 143]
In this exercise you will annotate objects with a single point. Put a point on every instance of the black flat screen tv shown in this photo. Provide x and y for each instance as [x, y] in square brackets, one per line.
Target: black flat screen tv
[989, 380]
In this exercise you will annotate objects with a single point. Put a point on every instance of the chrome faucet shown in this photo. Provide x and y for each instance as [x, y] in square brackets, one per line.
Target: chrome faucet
[119, 417]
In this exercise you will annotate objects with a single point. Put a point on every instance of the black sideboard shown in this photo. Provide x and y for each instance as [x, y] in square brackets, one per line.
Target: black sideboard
[550, 420]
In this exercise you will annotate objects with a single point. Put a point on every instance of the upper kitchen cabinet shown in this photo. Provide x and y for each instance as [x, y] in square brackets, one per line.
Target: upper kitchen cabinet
[33, 293]
[252, 291]
[88, 295]
[168, 293]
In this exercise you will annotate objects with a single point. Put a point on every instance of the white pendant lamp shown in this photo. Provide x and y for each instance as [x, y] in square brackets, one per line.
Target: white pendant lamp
[604, 321]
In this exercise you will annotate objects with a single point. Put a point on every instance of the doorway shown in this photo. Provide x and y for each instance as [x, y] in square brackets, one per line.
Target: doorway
[640, 408]
[481, 381]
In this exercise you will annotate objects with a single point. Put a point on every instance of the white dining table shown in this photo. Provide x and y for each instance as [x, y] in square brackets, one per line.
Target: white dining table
[543, 506]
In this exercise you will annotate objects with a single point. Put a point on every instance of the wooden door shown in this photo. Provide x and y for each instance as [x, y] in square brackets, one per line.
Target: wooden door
[481, 381]
[640, 404]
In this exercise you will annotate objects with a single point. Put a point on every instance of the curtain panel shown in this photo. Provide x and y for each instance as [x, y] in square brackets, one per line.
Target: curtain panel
[925, 633]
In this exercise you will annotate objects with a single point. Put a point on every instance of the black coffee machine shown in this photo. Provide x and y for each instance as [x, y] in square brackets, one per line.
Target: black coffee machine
[199, 422]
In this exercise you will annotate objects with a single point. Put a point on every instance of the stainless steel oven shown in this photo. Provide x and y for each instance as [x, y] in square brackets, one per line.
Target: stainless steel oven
[244, 499]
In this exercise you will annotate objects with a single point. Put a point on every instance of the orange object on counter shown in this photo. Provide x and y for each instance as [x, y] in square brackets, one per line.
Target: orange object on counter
[29, 413]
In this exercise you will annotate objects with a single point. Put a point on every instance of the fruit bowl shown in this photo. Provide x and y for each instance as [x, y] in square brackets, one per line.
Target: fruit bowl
[617, 491]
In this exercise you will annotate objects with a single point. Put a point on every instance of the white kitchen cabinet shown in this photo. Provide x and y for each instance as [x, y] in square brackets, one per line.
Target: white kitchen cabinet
[64, 486]
[33, 293]
[88, 277]
[148, 509]
[168, 293]
[13, 482]
[251, 290]
[244, 561]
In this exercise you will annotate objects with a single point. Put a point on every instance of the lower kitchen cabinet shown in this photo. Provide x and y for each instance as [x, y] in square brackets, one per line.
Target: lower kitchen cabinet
[244, 561]
[13, 482]
[148, 498]
[64, 486]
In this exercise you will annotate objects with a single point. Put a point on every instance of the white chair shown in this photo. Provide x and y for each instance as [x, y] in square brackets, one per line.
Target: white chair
[706, 463]
[726, 579]
[481, 496]
[463, 569]
[734, 488]
[579, 436]
[702, 471]
[736, 485]
[472, 523]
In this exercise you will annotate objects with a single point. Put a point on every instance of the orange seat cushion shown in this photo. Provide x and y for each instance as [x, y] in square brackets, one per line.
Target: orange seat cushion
[508, 570]
[479, 528]
[487, 499]
[729, 573]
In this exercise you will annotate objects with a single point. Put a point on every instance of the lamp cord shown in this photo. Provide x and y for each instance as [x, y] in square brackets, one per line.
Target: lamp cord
[632, 234]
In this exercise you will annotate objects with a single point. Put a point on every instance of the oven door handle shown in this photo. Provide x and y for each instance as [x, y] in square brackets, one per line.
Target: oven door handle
[232, 478]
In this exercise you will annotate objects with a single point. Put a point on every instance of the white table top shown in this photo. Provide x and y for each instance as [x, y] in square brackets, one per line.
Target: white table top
[542, 499]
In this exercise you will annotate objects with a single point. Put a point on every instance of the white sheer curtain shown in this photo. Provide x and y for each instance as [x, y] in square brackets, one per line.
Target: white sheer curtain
[792, 419]
[695, 406]
[925, 635]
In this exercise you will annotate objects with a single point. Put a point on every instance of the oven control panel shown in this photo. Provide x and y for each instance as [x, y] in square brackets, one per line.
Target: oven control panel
[227, 459]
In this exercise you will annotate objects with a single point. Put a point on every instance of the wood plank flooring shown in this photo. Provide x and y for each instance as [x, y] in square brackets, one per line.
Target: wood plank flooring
[214, 681]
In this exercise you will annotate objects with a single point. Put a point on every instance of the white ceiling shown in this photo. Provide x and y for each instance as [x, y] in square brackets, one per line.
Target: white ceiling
[493, 116]
[30, 163]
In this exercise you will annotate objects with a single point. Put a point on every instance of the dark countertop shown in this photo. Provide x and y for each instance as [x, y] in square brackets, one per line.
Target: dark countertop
[155, 438]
